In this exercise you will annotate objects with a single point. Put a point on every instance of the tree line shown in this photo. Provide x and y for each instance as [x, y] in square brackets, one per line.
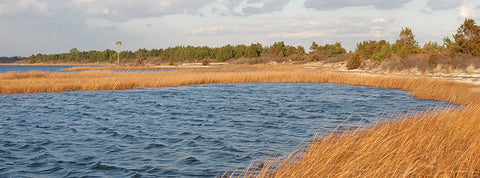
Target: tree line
[466, 42]
[191, 53]
[176, 54]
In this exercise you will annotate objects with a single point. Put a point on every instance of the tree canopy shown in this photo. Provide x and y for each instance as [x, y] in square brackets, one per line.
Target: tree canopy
[406, 44]
[467, 38]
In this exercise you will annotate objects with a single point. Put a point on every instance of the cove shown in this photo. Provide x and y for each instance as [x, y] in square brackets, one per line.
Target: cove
[188, 131]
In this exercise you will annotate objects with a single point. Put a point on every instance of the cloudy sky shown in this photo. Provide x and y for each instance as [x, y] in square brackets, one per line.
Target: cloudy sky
[55, 26]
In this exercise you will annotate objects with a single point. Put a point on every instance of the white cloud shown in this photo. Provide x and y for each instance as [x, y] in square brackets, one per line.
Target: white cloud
[197, 31]
[335, 29]
[305, 34]
[337, 4]
[379, 20]
[208, 31]
[465, 12]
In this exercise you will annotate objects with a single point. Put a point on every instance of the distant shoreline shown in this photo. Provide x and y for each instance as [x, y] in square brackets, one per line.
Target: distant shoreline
[45, 64]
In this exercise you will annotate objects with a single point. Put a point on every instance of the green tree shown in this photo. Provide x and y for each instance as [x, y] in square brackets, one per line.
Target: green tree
[254, 50]
[335, 50]
[382, 51]
[240, 51]
[314, 47]
[225, 53]
[467, 38]
[448, 43]
[329, 49]
[429, 46]
[300, 52]
[278, 49]
[141, 54]
[74, 55]
[125, 54]
[406, 43]
[291, 51]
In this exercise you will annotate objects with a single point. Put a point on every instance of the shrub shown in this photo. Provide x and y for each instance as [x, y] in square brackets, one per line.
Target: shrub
[410, 62]
[317, 57]
[433, 59]
[354, 61]
[205, 62]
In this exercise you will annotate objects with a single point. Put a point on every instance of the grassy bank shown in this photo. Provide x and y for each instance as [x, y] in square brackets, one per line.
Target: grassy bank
[38, 82]
[186, 66]
[443, 143]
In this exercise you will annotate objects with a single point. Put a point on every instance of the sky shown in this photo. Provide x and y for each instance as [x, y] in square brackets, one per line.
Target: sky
[55, 26]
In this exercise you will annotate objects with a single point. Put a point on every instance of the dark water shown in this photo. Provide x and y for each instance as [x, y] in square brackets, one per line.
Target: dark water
[193, 131]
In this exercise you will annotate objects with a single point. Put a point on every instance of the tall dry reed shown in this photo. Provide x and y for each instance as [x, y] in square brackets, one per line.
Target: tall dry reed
[37, 82]
[107, 68]
[434, 144]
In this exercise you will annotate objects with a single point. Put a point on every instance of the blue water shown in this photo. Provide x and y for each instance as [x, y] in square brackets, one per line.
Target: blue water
[191, 131]
[27, 68]
[53, 68]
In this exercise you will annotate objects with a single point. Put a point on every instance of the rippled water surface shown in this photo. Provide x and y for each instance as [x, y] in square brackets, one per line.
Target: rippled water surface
[191, 131]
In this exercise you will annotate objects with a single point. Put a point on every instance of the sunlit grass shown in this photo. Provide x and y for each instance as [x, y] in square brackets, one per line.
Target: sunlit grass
[193, 66]
[434, 144]
[37, 82]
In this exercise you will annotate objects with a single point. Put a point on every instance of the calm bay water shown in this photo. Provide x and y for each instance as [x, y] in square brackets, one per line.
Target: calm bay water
[26, 68]
[191, 131]
[47, 68]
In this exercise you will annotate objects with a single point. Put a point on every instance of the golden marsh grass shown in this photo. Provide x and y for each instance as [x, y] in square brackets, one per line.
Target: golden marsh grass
[38, 82]
[442, 143]
[193, 66]
[434, 144]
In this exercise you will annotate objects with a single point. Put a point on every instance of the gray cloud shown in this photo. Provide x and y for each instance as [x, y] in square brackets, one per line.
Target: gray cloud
[123, 10]
[337, 4]
[443, 4]
[248, 7]
[23, 9]
[267, 6]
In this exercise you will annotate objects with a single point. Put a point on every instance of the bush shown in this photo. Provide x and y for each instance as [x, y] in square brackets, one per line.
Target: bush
[354, 61]
[410, 62]
[433, 59]
[205, 62]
